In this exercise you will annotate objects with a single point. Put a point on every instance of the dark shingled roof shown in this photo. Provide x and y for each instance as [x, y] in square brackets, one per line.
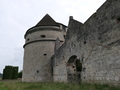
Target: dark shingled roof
[47, 21]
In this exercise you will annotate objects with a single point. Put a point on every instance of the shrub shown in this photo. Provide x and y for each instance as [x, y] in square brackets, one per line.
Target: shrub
[7, 72]
[10, 72]
[15, 73]
[20, 74]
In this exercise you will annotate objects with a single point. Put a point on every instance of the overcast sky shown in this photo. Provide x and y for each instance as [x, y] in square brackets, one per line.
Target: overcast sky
[16, 16]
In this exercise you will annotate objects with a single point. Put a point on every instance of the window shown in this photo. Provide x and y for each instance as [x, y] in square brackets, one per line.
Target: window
[28, 39]
[118, 20]
[45, 54]
[43, 36]
[37, 71]
[84, 42]
[64, 36]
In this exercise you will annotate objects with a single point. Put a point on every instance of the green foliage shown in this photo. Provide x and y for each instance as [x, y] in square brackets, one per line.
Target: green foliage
[99, 87]
[18, 85]
[10, 72]
[3, 74]
[15, 73]
[7, 72]
[20, 74]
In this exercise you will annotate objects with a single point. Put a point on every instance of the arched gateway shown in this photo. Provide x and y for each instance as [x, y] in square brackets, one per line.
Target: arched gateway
[74, 68]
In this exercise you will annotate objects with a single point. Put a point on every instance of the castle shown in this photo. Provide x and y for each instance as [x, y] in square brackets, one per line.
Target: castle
[86, 52]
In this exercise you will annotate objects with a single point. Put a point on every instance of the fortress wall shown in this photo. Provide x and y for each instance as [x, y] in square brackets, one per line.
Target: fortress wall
[73, 27]
[67, 50]
[96, 44]
[103, 62]
[37, 63]
[59, 68]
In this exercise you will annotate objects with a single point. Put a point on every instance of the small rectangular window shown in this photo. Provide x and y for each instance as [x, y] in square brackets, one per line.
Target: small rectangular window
[43, 36]
[45, 54]
[37, 71]
[28, 39]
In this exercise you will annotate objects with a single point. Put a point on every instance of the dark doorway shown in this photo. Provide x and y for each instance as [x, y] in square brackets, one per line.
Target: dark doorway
[74, 68]
[78, 66]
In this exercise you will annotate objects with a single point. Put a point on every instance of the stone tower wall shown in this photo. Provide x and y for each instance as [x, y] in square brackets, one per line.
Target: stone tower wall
[38, 50]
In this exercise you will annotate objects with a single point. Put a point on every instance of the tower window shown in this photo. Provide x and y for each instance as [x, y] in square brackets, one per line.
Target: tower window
[64, 36]
[43, 36]
[84, 42]
[118, 20]
[45, 54]
[37, 71]
[28, 39]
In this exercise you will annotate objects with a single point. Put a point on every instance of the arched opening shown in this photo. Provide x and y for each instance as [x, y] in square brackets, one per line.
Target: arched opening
[72, 58]
[74, 68]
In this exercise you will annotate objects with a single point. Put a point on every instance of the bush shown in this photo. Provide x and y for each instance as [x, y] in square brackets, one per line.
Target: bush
[10, 72]
[7, 72]
[15, 73]
[3, 77]
[20, 74]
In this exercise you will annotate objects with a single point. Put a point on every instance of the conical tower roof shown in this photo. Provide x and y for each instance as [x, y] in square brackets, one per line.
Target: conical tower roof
[47, 21]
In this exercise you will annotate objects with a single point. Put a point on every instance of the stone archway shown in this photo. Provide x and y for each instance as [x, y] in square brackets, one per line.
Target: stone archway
[74, 68]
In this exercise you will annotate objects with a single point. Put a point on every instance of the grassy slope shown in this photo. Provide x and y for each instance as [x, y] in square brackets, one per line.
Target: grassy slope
[18, 85]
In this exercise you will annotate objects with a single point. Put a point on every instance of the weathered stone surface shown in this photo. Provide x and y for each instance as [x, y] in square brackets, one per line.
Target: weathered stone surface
[39, 48]
[96, 44]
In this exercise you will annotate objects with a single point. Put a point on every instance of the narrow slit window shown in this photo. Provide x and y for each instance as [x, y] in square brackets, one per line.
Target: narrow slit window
[64, 36]
[28, 39]
[84, 42]
[118, 20]
[45, 54]
[43, 36]
[37, 71]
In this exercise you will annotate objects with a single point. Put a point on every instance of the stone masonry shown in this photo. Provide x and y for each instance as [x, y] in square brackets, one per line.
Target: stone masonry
[95, 44]
[90, 52]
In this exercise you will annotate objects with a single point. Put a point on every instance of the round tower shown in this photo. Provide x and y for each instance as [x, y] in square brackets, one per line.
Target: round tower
[39, 48]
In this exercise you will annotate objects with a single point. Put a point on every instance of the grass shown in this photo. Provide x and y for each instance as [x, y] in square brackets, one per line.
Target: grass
[18, 85]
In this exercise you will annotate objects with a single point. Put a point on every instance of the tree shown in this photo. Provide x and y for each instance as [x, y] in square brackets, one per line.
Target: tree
[10, 72]
[20, 74]
[7, 72]
[15, 73]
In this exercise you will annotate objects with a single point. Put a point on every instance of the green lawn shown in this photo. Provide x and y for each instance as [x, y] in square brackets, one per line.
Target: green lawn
[18, 85]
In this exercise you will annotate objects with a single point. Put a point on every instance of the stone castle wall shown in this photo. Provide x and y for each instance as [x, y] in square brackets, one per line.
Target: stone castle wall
[96, 44]
[38, 50]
